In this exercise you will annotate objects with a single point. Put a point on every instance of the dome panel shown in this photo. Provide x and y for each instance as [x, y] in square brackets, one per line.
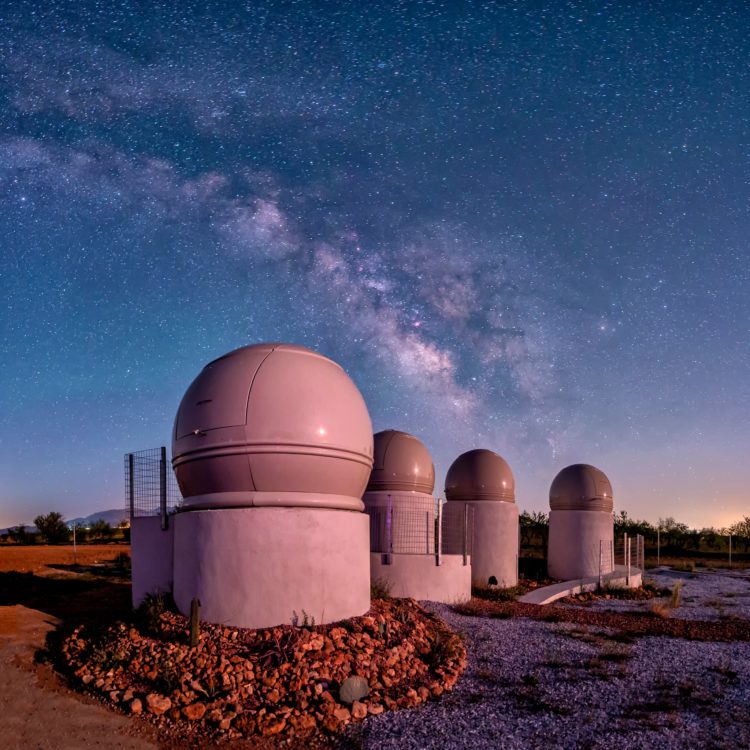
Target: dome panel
[480, 474]
[581, 487]
[401, 463]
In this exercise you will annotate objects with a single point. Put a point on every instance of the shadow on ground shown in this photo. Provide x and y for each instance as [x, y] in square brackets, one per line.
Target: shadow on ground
[83, 599]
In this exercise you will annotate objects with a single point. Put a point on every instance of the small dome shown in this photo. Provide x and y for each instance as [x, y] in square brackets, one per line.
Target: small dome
[581, 487]
[271, 418]
[401, 464]
[480, 475]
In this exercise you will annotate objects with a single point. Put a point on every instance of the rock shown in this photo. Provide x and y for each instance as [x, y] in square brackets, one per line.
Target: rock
[157, 704]
[342, 715]
[136, 706]
[86, 679]
[353, 689]
[194, 712]
[359, 710]
[375, 709]
[274, 725]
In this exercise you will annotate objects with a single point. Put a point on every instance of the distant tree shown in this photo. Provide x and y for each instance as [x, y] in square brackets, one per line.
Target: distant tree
[100, 530]
[673, 533]
[21, 535]
[712, 539]
[534, 526]
[52, 528]
[741, 530]
[82, 533]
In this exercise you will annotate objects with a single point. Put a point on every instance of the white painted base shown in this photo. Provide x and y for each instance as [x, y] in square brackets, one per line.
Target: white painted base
[494, 549]
[418, 577]
[151, 552]
[574, 537]
[256, 567]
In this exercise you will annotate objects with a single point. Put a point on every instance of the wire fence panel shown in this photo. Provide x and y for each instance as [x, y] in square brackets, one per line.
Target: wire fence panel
[150, 484]
[418, 526]
[458, 529]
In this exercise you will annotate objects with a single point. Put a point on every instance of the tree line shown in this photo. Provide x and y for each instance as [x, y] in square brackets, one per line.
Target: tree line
[52, 529]
[671, 535]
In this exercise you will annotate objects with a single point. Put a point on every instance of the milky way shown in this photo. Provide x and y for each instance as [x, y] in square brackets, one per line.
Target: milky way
[518, 226]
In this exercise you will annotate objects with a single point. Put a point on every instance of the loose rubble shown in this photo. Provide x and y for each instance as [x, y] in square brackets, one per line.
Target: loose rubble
[281, 681]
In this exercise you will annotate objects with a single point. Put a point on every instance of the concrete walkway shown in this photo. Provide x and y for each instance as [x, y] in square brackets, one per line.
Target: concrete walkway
[616, 579]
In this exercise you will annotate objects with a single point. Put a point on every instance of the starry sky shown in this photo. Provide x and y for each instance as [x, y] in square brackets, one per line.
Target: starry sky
[523, 226]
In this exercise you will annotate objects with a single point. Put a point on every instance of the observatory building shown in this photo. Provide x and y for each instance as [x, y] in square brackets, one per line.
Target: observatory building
[483, 481]
[406, 524]
[272, 450]
[581, 524]
[401, 484]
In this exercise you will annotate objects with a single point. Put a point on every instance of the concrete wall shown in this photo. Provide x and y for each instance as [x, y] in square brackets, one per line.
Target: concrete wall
[574, 537]
[495, 542]
[418, 577]
[151, 551]
[254, 567]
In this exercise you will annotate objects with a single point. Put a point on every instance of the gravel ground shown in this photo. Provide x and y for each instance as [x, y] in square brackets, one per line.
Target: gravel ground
[535, 684]
[709, 595]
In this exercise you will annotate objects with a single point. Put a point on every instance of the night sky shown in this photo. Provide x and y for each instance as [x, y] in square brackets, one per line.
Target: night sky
[520, 226]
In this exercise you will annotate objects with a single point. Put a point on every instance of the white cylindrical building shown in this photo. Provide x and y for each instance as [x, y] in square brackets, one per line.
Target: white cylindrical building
[405, 555]
[581, 524]
[483, 480]
[272, 450]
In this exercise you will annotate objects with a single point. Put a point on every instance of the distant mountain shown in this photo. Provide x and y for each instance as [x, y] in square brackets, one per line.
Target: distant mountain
[112, 517]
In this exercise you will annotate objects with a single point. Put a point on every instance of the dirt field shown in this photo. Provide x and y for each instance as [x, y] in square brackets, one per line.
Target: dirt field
[38, 558]
[39, 592]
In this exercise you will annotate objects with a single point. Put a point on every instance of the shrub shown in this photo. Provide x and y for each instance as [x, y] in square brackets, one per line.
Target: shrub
[101, 530]
[149, 612]
[380, 589]
[52, 528]
[122, 562]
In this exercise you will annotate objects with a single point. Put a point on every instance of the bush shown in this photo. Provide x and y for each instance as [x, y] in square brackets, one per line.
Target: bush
[101, 530]
[52, 528]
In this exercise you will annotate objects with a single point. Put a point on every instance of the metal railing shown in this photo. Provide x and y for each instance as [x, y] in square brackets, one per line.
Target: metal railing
[631, 551]
[409, 525]
[150, 485]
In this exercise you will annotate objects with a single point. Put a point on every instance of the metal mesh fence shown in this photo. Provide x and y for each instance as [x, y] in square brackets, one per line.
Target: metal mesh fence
[150, 484]
[420, 526]
[457, 528]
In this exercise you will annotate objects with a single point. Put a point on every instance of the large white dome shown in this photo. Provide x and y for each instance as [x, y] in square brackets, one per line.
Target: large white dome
[272, 418]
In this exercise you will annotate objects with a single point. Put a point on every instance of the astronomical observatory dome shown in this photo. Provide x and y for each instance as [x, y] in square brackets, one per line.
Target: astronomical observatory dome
[402, 464]
[272, 418]
[480, 475]
[581, 487]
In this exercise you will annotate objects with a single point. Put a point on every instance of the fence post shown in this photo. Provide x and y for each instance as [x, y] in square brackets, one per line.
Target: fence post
[466, 533]
[628, 554]
[163, 488]
[439, 535]
[730, 550]
[389, 531]
[658, 545]
[601, 561]
[131, 484]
